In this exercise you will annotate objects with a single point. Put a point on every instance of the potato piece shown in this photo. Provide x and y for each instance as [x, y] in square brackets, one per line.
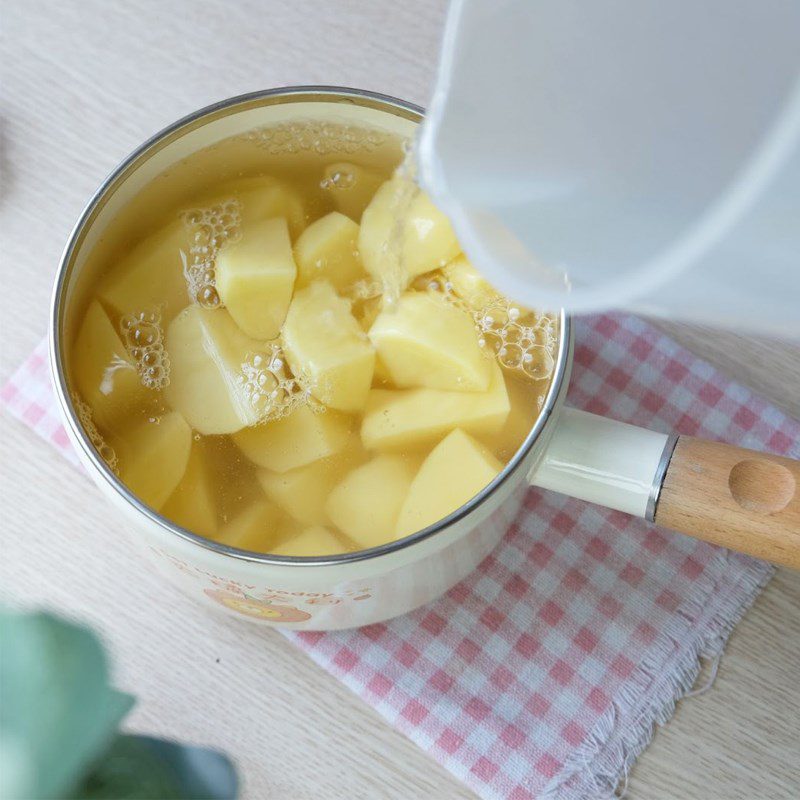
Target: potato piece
[454, 472]
[298, 439]
[350, 187]
[255, 277]
[415, 417]
[425, 341]
[403, 234]
[430, 240]
[468, 284]
[150, 275]
[366, 504]
[105, 375]
[316, 541]
[328, 249]
[263, 197]
[206, 351]
[302, 492]
[256, 528]
[324, 343]
[193, 504]
[153, 458]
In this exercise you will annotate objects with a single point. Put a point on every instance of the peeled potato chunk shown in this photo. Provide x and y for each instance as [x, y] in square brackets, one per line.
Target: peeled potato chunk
[255, 528]
[315, 541]
[468, 284]
[264, 197]
[403, 232]
[105, 375]
[367, 502]
[454, 472]
[193, 504]
[302, 492]
[425, 341]
[325, 344]
[471, 287]
[396, 420]
[293, 441]
[150, 275]
[153, 458]
[256, 275]
[430, 241]
[206, 351]
[350, 187]
[328, 249]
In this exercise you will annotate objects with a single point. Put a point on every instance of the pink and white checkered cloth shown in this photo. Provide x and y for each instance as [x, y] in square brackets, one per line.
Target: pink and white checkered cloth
[543, 674]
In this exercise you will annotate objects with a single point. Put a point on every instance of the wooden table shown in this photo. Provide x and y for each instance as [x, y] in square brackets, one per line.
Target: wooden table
[84, 82]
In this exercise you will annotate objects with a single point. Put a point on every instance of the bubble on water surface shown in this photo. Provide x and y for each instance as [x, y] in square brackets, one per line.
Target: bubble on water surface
[313, 136]
[210, 228]
[104, 450]
[520, 339]
[271, 388]
[144, 339]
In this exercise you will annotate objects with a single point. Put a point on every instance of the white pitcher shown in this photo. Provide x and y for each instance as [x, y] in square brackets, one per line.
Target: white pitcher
[616, 154]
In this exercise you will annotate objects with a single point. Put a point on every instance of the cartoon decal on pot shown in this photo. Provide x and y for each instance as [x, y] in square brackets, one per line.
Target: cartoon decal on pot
[252, 607]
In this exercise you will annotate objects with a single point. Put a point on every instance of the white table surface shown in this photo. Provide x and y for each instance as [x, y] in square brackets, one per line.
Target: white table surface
[83, 82]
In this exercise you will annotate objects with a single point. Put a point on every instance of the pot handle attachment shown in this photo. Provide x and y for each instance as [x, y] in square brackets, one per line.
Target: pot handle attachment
[741, 499]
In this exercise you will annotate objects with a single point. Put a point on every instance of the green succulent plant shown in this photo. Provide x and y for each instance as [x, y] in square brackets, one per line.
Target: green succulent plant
[59, 718]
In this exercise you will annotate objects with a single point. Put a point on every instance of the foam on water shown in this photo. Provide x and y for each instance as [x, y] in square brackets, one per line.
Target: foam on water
[323, 138]
[104, 450]
[271, 388]
[520, 339]
[144, 340]
[210, 228]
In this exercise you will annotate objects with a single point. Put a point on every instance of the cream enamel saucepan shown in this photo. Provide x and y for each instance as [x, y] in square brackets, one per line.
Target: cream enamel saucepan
[738, 498]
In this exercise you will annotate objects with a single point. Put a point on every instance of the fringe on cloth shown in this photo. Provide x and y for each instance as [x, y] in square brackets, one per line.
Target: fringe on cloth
[598, 769]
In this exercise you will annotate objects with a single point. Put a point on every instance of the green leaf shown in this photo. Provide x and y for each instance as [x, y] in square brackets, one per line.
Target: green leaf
[57, 711]
[142, 768]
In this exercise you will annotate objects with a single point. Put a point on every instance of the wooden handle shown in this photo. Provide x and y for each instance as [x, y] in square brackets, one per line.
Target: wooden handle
[737, 498]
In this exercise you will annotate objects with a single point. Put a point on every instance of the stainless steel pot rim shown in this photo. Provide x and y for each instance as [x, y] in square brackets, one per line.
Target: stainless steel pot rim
[294, 94]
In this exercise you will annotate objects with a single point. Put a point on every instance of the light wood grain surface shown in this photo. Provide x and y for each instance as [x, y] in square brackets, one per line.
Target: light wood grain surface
[83, 82]
[733, 497]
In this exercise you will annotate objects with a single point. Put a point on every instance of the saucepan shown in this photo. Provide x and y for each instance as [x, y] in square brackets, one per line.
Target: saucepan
[726, 495]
